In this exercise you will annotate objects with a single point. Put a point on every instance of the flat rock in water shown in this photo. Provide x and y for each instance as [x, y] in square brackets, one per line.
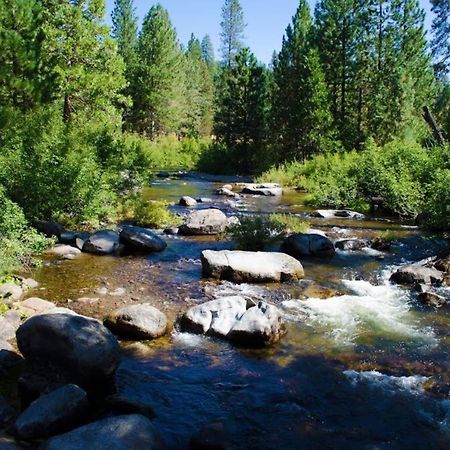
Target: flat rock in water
[141, 240]
[103, 242]
[236, 319]
[337, 213]
[265, 189]
[205, 222]
[240, 266]
[300, 245]
[417, 274]
[138, 321]
[52, 413]
[187, 201]
[133, 432]
[83, 349]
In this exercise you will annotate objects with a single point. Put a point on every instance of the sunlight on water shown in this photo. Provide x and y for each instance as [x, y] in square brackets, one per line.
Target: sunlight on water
[370, 310]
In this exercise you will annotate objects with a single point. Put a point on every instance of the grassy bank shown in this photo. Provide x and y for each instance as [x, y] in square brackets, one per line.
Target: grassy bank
[407, 178]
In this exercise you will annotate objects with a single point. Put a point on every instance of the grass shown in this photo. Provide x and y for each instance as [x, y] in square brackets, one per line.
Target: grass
[289, 222]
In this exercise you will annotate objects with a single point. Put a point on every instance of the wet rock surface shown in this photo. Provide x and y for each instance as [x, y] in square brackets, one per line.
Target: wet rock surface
[131, 432]
[138, 322]
[241, 266]
[141, 240]
[103, 242]
[301, 245]
[188, 202]
[52, 413]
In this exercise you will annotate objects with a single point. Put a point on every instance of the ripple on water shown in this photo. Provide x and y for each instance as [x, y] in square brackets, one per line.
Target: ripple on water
[369, 311]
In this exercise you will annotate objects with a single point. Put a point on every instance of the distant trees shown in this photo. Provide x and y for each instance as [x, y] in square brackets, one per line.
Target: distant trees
[440, 43]
[232, 34]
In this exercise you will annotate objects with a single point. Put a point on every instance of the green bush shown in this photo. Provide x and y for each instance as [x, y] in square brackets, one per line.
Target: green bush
[437, 201]
[255, 233]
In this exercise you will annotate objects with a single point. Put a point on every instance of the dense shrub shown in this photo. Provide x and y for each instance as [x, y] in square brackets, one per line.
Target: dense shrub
[408, 177]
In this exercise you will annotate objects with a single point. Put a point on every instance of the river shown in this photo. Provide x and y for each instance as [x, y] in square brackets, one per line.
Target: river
[367, 368]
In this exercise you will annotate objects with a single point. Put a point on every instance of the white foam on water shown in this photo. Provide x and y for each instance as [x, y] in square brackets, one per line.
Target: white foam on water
[245, 290]
[382, 310]
[412, 384]
[188, 339]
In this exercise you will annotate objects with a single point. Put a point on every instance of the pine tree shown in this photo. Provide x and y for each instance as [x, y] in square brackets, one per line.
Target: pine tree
[240, 119]
[199, 93]
[125, 30]
[208, 51]
[441, 35]
[300, 116]
[23, 79]
[233, 27]
[157, 102]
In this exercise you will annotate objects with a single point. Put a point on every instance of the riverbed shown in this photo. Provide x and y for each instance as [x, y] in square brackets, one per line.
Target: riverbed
[365, 368]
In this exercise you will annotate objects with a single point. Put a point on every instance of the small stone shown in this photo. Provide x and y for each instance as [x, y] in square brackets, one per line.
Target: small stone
[87, 300]
[29, 283]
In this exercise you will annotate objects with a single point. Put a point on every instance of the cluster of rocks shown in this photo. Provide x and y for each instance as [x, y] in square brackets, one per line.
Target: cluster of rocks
[337, 214]
[130, 239]
[263, 189]
[425, 277]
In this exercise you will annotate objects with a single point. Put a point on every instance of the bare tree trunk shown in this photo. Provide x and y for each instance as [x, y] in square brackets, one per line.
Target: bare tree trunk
[429, 118]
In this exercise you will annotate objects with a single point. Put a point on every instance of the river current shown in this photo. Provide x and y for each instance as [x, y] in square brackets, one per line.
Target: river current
[366, 368]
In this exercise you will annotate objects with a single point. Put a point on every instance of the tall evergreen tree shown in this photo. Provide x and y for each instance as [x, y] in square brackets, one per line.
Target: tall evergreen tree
[125, 29]
[240, 119]
[208, 51]
[299, 93]
[199, 93]
[157, 102]
[233, 27]
[440, 44]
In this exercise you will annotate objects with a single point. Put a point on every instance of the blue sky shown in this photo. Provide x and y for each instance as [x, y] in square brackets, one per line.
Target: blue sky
[266, 20]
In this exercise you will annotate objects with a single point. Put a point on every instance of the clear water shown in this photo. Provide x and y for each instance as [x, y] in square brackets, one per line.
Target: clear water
[367, 368]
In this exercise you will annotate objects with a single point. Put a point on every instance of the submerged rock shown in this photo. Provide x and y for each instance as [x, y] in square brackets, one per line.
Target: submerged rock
[82, 348]
[240, 266]
[52, 413]
[64, 251]
[137, 321]
[103, 242]
[205, 222]
[300, 245]
[236, 319]
[187, 201]
[133, 432]
[141, 240]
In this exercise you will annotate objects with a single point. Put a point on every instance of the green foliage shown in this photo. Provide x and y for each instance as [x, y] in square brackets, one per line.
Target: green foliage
[440, 44]
[437, 200]
[289, 222]
[150, 214]
[255, 233]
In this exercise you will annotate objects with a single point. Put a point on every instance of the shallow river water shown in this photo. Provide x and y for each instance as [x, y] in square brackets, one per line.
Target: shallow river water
[367, 368]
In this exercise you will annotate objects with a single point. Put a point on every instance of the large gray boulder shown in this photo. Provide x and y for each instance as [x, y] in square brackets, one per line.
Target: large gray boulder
[205, 222]
[300, 245]
[103, 242]
[52, 413]
[236, 319]
[265, 189]
[133, 432]
[141, 240]
[137, 321]
[85, 351]
[240, 266]
[417, 274]
[63, 251]
[259, 326]
[215, 317]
